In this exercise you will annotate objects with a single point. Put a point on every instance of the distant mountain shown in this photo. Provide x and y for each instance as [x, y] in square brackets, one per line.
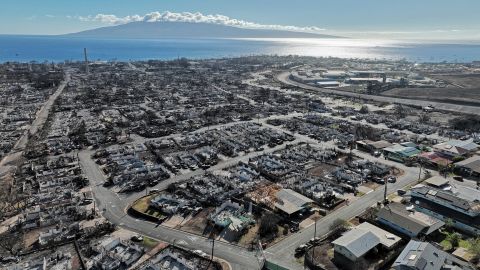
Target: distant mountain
[145, 30]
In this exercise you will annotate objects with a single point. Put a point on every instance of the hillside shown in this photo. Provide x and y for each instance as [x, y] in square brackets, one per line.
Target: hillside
[153, 30]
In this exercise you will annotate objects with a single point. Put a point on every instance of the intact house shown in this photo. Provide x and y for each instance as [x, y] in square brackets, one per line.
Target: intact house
[433, 159]
[438, 181]
[359, 246]
[456, 148]
[469, 166]
[291, 203]
[407, 221]
[372, 146]
[424, 256]
[401, 152]
[461, 205]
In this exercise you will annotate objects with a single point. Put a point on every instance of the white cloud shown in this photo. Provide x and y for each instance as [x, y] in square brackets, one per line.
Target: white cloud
[196, 17]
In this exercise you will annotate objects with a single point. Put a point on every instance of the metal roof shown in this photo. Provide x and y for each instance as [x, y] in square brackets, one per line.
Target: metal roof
[290, 201]
[358, 241]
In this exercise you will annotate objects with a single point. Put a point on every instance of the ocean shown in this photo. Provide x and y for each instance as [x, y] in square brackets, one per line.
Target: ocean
[58, 49]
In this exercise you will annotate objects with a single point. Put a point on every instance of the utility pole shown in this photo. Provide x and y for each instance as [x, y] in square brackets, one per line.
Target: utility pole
[385, 192]
[213, 248]
[314, 240]
[420, 171]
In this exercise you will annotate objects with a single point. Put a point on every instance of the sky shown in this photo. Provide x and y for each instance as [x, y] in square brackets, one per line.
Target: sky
[405, 19]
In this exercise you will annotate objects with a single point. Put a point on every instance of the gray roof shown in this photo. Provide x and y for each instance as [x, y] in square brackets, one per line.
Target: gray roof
[436, 181]
[420, 255]
[447, 197]
[397, 214]
[290, 201]
[358, 241]
[424, 256]
[473, 163]
[387, 239]
[401, 220]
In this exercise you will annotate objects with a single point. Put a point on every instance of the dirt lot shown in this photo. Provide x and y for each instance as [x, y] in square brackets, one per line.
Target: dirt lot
[462, 80]
[198, 223]
[466, 96]
[320, 169]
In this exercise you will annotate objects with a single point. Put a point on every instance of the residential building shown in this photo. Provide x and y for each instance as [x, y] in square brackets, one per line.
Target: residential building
[401, 152]
[461, 205]
[372, 146]
[424, 256]
[410, 223]
[352, 249]
[456, 148]
[469, 166]
[291, 202]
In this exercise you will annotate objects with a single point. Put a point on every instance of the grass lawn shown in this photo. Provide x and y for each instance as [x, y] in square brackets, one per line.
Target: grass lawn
[464, 243]
[360, 194]
[143, 206]
[149, 242]
[446, 245]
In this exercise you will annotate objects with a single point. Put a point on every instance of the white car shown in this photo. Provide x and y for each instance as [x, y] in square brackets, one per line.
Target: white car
[199, 253]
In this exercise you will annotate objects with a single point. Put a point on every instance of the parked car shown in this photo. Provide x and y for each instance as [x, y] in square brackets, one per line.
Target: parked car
[137, 238]
[458, 178]
[300, 250]
[199, 253]
[153, 190]
[379, 180]
[392, 179]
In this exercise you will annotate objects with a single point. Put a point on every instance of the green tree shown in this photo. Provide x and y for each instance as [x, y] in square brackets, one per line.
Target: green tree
[454, 239]
[474, 248]
[449, 224]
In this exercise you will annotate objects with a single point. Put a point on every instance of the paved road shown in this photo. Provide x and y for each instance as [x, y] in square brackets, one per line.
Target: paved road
[284, 78]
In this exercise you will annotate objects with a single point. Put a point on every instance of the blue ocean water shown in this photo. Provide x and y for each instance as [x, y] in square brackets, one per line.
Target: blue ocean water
[57, 49]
